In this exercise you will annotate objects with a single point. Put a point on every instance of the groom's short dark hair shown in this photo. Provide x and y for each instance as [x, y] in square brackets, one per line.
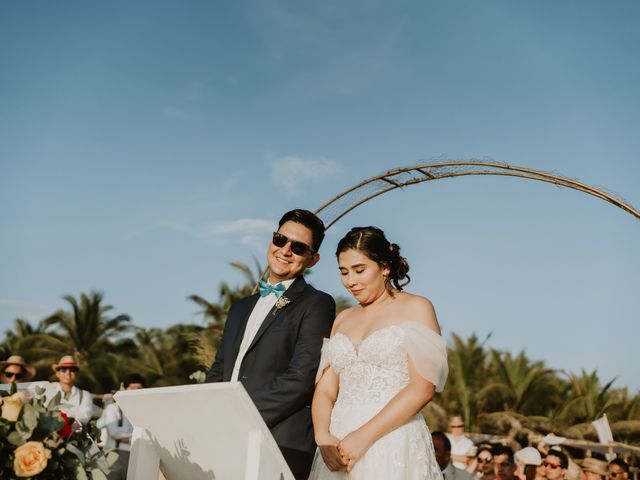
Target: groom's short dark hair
[309, 220]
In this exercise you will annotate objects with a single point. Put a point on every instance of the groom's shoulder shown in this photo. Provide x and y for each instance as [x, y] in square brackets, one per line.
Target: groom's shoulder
[318, 295]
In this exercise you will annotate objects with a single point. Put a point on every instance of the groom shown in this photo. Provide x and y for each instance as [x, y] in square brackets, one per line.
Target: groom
[272, 340]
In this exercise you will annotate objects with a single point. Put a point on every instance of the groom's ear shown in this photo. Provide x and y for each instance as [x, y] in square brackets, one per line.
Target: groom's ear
[315, 258]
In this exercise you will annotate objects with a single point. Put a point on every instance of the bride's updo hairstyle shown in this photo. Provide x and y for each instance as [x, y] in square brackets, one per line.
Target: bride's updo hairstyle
[371, 242]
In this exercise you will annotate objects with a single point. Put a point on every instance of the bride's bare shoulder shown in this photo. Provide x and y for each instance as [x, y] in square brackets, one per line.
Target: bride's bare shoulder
[342, 318]
[419, 309]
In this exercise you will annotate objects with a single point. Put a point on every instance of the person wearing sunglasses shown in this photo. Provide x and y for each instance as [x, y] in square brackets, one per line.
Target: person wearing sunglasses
[272, 339]
[555, 465]
[461, 445]
[15, 369]
[618, 469]
[483, 465]
[75, 402]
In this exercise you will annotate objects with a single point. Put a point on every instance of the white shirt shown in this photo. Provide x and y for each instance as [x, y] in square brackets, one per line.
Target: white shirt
[260, 311]
[460, 446]
[76, 403]
[117, 425]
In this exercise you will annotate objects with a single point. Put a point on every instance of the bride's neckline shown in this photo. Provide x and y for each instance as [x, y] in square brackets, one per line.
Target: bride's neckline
[358, 345]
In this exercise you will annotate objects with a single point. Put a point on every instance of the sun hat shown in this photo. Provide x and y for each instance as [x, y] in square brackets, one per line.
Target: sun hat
[528, 456]
[29, 371]
[594, 465]
[66, 361]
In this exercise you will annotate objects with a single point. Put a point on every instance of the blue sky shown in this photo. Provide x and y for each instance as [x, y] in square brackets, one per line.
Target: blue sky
[144, 145]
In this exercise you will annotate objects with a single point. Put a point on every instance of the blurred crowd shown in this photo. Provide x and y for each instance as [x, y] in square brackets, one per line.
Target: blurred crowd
[81, 405]
[460, 459]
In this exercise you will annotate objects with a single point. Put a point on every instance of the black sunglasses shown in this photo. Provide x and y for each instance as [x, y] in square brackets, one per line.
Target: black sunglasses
[299, 248]
[69, 369]
[13, 374]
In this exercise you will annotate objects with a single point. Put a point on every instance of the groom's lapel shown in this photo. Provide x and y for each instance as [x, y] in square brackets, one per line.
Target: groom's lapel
[291, 294]
[242, 324]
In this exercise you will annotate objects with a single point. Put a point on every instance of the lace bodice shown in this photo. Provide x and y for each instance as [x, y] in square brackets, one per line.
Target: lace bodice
[372, 372]
[370, 375]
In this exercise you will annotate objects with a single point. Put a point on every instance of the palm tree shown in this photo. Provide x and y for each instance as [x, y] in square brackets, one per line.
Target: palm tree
[467, 376]
[93, 337]
[586, 400]
[520, 385]
[165, 357]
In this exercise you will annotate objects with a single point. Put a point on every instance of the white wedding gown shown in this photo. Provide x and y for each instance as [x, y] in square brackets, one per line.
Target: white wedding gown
[370, 376]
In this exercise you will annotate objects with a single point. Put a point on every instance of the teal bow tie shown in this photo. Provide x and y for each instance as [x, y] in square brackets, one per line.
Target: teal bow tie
[266, 289]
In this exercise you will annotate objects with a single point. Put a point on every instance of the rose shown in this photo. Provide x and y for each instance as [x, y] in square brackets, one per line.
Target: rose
[65, 431]
[11, 407]
[30, 459]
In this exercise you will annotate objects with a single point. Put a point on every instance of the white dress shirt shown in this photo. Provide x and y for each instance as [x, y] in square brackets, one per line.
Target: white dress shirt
[118, 427]
[76, 403]
[260, 311]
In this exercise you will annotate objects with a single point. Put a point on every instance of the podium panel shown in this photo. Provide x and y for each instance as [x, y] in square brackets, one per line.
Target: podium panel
[200, 432]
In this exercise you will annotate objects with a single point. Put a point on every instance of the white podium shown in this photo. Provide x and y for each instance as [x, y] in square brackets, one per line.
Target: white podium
[200, 432]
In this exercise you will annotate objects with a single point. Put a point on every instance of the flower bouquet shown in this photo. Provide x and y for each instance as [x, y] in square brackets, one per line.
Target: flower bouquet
[38, 441]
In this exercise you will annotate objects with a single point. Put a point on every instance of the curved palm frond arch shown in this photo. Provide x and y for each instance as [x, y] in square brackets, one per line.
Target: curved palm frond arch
[341, 204]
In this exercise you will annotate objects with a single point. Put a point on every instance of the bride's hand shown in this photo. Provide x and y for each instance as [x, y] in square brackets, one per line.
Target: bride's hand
[353, 447]
[328, 446]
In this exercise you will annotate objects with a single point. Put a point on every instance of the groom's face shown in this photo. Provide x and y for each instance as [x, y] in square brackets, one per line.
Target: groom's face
[283, 263]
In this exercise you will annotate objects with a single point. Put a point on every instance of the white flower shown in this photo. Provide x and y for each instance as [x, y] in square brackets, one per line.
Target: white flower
[281, 303]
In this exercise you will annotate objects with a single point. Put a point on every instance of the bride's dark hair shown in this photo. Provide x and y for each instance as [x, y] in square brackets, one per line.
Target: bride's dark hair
[372, 242]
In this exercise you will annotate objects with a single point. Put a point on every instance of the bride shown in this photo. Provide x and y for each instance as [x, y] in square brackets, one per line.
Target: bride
[383, 363]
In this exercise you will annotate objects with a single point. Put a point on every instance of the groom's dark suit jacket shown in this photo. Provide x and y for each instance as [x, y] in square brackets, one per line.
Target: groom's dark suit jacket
[278, 370]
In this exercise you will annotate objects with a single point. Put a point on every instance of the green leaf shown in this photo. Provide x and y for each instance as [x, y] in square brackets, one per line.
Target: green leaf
[40, 390]
[55, 401]
[76, 451]
[15, 438]
[29, 417]
[51, 423]
[97, 474]
[81, 474]
[112, 458]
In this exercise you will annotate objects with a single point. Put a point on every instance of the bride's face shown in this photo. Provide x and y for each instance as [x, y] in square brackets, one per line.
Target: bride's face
[361, 276]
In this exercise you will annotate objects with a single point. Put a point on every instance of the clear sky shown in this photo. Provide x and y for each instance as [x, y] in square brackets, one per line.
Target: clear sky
[144, 145]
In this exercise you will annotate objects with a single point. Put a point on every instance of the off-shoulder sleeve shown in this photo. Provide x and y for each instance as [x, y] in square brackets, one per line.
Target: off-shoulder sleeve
[427, 351]
[324, 358]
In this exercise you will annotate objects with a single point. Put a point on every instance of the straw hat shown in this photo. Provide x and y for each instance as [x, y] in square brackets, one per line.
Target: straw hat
[66, 361]
[29, 371]
[594, 465]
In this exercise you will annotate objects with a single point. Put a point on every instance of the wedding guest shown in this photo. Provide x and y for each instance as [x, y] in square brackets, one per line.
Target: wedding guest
[527, 459]
[555, 464]
[442, 448]
[461, 445]
[483, 463]
[15, 369]
[119, 429]
[593, 469]
[504, 467]
[272, 340]
[76, 403]
[618, 469]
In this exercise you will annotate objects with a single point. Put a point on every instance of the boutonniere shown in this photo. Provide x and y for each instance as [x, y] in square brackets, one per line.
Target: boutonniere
[282, 302]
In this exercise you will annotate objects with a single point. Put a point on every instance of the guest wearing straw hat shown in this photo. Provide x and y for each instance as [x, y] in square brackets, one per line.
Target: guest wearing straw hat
[75, 402]
[593, 469]
[15, 369]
